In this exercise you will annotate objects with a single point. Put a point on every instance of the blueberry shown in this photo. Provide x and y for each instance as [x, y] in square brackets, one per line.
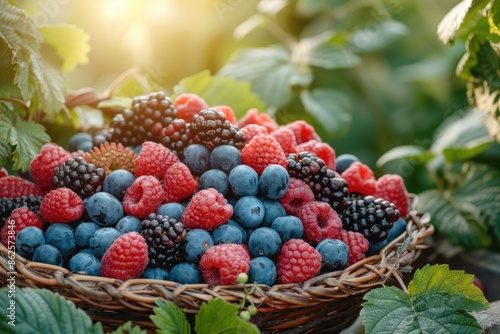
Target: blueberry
[249, 211]
[242, 230]
[397, 229]
[343, 161]
[244, 181]
[334, 254]
[104, 209]
[85, 146]
[137, 149]
[156, 273]
[274, 181]
[197, 158]
[227, 234]
[77, 139]
[117, 183]
[262, 271]
[27, 241]
[186, 273]
[86, 251]
[288, 227]
[128, 224]
[85, 263]
[273, 209]
[264, 241]
[83, 232]
[214, 178]
[196, 243]
[173, 210]
[376, 247]
[102, 239]
[48, 254]
[225, 158]
[62, 237]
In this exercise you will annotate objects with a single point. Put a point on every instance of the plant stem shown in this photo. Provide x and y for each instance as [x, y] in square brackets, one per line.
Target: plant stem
[20, 102]
[280, 34]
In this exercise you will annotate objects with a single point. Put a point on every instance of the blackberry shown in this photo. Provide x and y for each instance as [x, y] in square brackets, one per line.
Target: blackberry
[7, 205]
[176, 136]
[372, 217]
[164, 236]
[322, 180]
[126, 129]
[211, 128]
[78, 175]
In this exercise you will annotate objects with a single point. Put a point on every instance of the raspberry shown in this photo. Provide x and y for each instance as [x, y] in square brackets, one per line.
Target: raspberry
[111, 157]
[320, 221]
[221, 264]
[7, 205]
[360, 179]
[322, 150]
[303, 131]
[228, 111]
[188, 105]
[207, 210]
[298, 193]
[154, 160]
[251, 130]
[178, 183]
[126, 258]
[3, 172]
[262, 151]
[143, 197]
[356, 243]
[42, 166]
[298, 261]
[61, 205]
[12, 186]
[22, 218]
[254, 117]
[391, 187]
[287, 140]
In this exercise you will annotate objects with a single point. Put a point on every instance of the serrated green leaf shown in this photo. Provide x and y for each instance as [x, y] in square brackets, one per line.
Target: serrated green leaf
[52, 89]
[330, 108]
[118, 102]
[216, 90]
[332, 57]
[129, 328]
[467, 151]
[70, 42]
[270, 71]
[217, 316]
[5, 154]
[379, 36]
[43, 311]
[411, 153]
[494, 18]
[169, 318]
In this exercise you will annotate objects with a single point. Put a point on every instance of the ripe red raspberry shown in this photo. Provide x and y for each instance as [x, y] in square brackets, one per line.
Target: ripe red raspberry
[303, 131]
[359, 178]
[3, 172]
[320, 221]
[322, 150]
[391, 187]
[287, 140]
[42, 166]
[356, 243]
[298, 261]
[229, 112]
[61, 205]
[12, 186]
[143, 197]
[221, 264]
[251, 130]
[188, 105]
[262, 151]
[254, 117]
[154, 159]
[178, 183]
[207, 210]
[19, 219]
[298, 194]
[126, 258]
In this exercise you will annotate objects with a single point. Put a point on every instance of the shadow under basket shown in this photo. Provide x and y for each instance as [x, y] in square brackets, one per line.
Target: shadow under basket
[328, 303]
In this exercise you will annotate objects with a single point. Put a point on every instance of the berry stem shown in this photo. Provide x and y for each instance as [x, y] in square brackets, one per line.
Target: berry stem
[20, 102]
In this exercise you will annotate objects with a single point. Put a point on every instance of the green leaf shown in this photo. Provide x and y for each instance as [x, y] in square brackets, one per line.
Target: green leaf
[494, 18]
[52, 90]
[438, 279]
[216, 90]
[117, 102]
[332, 57]
[43, 311]
[270, 71]
[70, 42]
[468, 150]
[5, 154]
[330, 108]
[129, 328]
[216, 316]
[378, 36]
[169, 318]
[411, 153]
[310, 7]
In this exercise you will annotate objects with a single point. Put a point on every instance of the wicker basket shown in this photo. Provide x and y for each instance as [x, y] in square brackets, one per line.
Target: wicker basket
[330, 302]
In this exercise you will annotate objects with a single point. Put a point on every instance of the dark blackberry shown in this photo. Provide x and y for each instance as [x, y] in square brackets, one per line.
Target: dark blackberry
[372, 217]
[176, 136]
[322, 180]
[7, 205]
[164, 236]
[100, 137]
[78, 175]
[126, 129]
[211, 128]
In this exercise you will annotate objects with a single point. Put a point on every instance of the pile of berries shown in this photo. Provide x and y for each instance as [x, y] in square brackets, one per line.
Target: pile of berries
[178, 190]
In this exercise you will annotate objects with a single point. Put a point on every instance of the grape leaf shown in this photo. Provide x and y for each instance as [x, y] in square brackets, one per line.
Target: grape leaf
[129, 328]
[216, 316]
[70, 42]
[43, 311]
[411, 153]
[169, 318]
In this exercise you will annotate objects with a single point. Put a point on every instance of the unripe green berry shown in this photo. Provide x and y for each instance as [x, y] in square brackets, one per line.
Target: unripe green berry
[252, 310]
[242, 278]
[245, 315]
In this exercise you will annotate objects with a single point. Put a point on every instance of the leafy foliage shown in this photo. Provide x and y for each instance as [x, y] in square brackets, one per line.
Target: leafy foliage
[129, 328]
[169, 318]
[217, 316]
